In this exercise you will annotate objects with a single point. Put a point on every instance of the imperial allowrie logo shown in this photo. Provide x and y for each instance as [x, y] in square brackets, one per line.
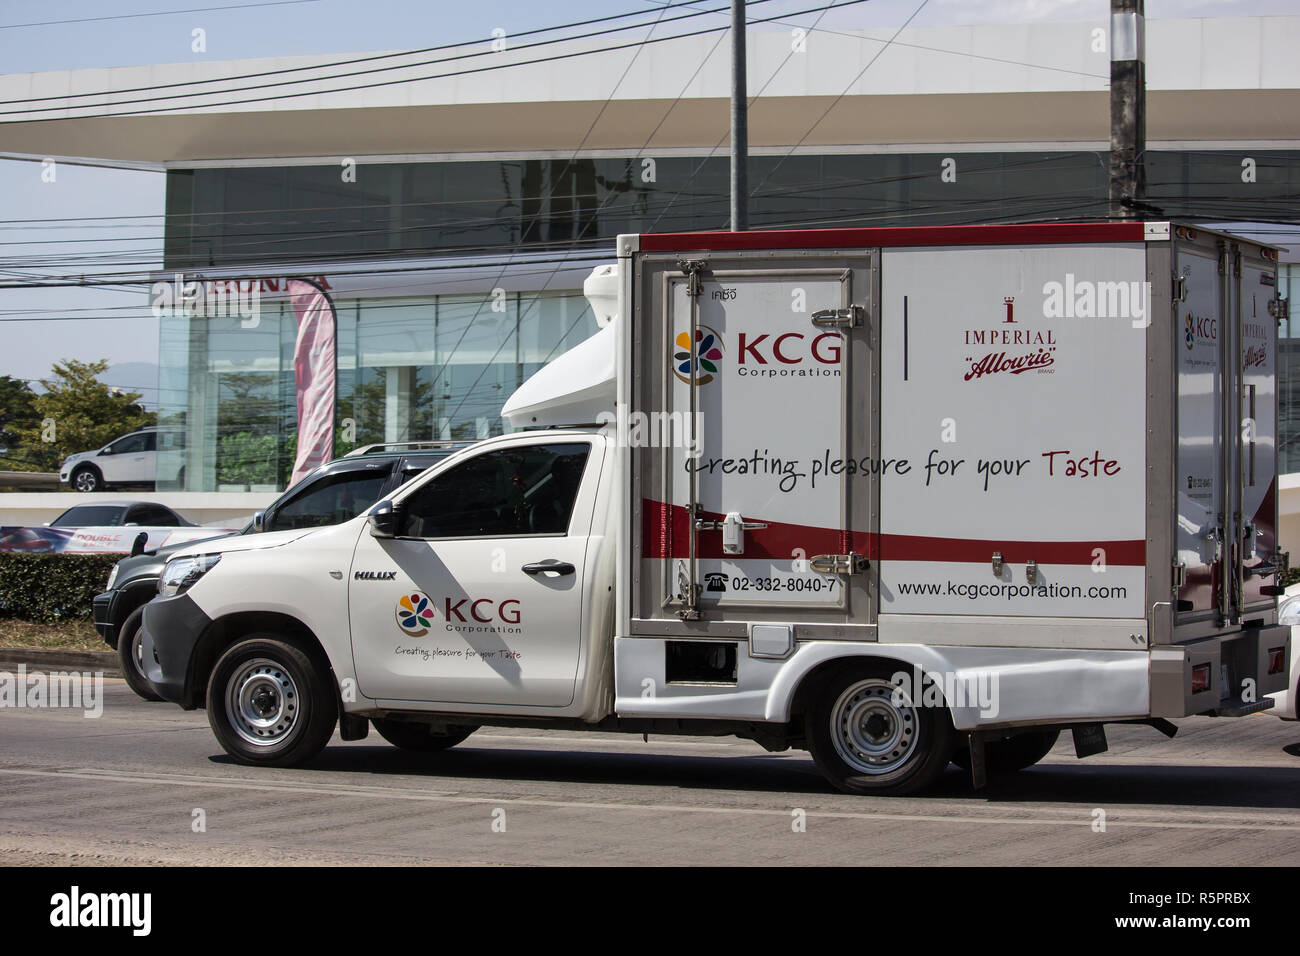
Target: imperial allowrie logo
[1041, 345]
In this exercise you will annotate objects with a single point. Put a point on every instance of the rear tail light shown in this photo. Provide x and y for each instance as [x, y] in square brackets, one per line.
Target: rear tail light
[1276, 659]
[1200, 678]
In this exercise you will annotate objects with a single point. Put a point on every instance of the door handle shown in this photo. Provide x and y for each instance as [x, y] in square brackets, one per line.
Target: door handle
[556, 567]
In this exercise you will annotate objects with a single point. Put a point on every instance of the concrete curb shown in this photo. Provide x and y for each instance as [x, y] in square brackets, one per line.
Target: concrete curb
[46, 659]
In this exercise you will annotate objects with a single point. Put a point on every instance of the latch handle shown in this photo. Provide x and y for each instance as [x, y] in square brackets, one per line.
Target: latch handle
[733, 528]
[851, 563]
[848, 318]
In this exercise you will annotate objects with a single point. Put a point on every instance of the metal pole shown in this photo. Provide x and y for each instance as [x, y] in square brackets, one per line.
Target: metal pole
[1128, 108]
[739, 122]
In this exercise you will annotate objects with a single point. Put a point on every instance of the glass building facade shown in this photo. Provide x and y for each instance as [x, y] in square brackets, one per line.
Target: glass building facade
[439, 363]
[408, 369]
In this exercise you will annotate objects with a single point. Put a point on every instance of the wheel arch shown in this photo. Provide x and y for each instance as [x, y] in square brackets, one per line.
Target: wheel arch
[228, 630]
[133, 596]
[796, 685]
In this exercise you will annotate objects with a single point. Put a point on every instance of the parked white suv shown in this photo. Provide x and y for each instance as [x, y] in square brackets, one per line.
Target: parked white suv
[129, 460]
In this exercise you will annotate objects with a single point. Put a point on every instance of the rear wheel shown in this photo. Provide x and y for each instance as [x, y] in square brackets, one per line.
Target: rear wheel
[869, 736]
[412, 735]
[1014, 753]
[130, 656]
[270, 702]
[87, 478]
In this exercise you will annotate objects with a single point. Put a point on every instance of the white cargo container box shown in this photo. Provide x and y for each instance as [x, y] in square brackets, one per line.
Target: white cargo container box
[1045, 450]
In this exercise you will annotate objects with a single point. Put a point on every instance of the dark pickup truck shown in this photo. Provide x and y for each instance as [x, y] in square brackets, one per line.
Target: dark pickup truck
[335, 492]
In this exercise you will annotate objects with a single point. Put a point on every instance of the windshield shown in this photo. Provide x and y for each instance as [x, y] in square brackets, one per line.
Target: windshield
[90, 516]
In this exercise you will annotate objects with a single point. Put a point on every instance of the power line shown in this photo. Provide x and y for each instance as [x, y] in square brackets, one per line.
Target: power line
[835, 102]
[370, 58]
[1280, 160]
[416, 79]
[158, 13]
[380, 69]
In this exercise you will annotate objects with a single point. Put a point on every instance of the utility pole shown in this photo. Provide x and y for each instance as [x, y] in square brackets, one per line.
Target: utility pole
[1128, 107]
[739, 122]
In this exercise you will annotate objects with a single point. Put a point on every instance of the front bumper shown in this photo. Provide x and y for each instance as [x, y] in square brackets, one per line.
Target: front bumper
[172, 629]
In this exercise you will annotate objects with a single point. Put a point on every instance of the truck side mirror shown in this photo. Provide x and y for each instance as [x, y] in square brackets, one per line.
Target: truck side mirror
[385, 520]
[259, 521]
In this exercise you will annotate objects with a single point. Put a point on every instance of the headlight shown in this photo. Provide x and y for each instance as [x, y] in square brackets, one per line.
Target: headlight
[112, 579]
[181, 573]
[1289, 613]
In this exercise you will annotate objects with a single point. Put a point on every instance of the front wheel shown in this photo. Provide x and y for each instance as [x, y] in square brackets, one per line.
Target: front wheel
[869, 736]
[130, 655]
[411, 735]
[270, 703]
[87, 478]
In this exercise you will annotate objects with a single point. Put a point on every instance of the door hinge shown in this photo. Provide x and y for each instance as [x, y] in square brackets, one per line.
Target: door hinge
[692, 269]
[1279, 308]
[1180, 575]
[851, 563]
[1180, 289]
[849, 318]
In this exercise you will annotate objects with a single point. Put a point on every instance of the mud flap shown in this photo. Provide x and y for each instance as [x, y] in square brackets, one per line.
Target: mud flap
[352, 727]
[1089, 739]
[979, 774]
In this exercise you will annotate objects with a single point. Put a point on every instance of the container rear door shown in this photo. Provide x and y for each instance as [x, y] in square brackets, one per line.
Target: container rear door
[1227, 429]
[1202, 492]
[1258, 353]
[754, 439]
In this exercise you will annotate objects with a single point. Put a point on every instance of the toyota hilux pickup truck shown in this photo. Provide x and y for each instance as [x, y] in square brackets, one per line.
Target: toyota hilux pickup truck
[899, 497]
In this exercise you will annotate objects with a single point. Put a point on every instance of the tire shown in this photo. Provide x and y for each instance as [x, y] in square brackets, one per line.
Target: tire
[271, 703]
[87, 478]
[128, 655]
[866, 740]
[1014, 753]
[411, 735]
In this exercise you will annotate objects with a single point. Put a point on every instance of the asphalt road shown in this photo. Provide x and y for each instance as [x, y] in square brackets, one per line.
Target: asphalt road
[124, 789]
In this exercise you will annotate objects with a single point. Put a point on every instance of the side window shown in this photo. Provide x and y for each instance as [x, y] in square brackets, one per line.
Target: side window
[505, 493]
[130, 445]
[151, 515]
[151, 441]
[331, 500]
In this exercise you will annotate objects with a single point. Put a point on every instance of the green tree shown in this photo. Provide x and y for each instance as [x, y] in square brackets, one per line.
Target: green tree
[78, 412]
[17, 410]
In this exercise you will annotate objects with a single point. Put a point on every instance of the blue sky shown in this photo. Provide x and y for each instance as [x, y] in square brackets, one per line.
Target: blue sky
[237, 30]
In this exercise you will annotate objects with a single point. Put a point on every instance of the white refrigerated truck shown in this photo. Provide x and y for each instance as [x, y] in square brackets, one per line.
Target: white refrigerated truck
[901, 497]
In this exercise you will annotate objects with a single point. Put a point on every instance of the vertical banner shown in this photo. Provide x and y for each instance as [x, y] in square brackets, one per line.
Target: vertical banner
[314, 375]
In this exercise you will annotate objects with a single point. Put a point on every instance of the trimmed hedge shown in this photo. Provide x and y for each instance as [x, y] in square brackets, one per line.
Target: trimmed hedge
[49, 588]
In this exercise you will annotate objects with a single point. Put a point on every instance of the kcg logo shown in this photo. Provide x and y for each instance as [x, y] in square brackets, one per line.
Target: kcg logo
[414, 613]
[697, 361]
